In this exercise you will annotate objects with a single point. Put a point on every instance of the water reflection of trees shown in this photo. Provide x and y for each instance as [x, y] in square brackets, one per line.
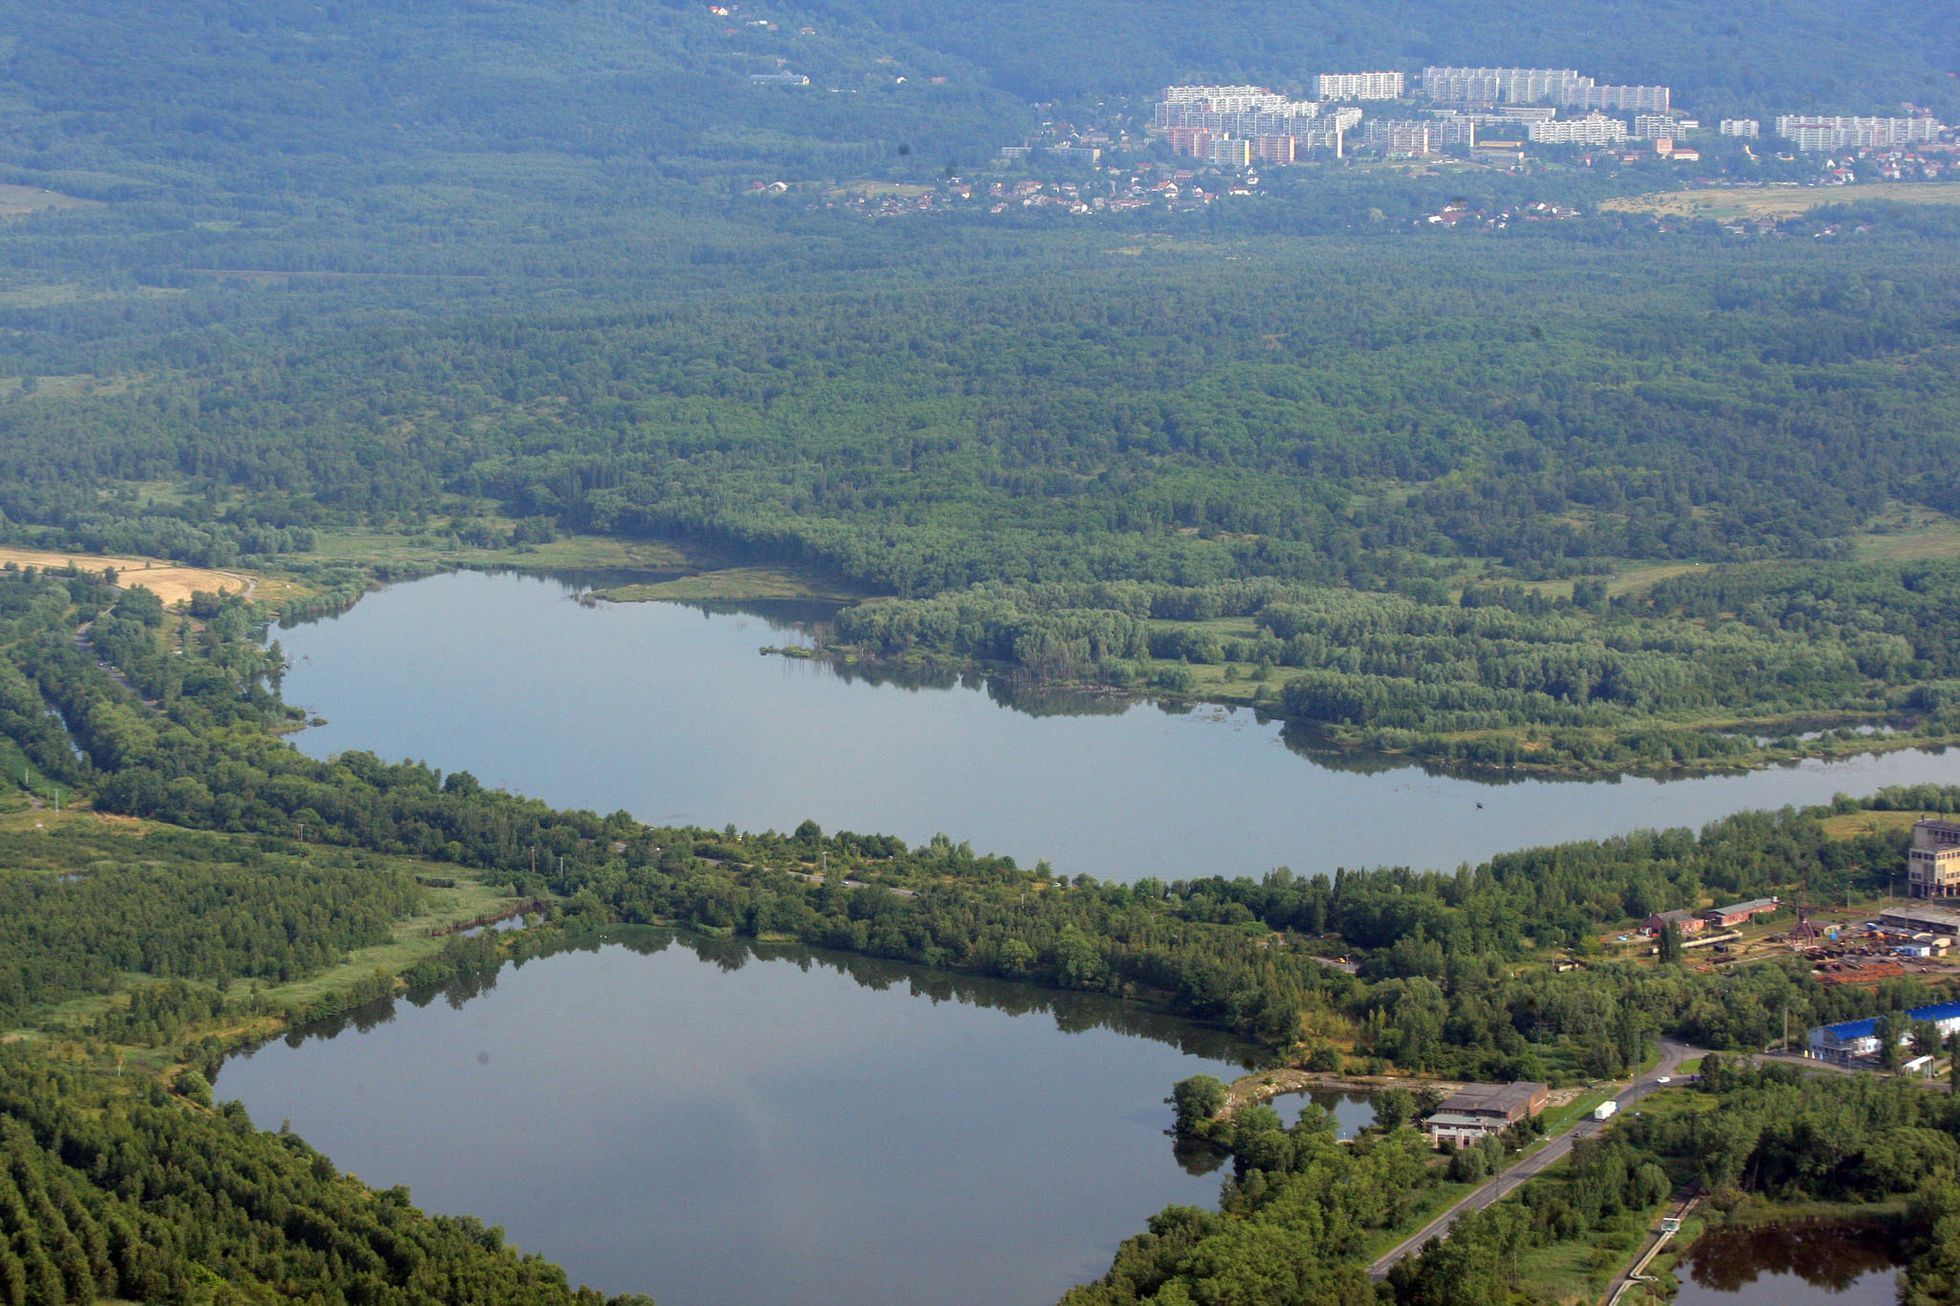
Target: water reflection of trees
[1073, 1013]
[1831, 1254]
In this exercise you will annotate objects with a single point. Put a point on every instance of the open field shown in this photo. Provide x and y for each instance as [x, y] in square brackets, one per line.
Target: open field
[415, 937]
[1919, 535]
[875, 189]
[167, 580]
[1850, 825]
[1779, 202]
[567, 553]
[730, 584]
[18, 201]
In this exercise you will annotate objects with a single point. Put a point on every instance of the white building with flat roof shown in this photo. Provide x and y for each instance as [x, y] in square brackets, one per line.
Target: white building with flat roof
[1811, 132]
[1359, 86]
[1593, 129]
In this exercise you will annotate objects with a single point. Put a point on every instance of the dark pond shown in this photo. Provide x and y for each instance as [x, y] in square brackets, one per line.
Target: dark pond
[1352, 1112]
[1799, 1263]
[667, 711]
[715, 1122]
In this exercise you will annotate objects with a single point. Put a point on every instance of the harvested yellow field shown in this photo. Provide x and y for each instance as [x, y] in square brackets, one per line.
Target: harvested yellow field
[167, 580]
[1778, 202]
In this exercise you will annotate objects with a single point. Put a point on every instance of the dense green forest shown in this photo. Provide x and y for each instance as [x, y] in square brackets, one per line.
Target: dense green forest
[136, 1196]
[1072, 481]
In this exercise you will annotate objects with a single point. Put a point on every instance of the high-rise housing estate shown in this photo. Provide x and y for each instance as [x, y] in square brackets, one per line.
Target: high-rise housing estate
[1232, 153]
[1450, 129]
[1405, 136]
[1495, 85]
[1563, 86]
[1251, 122]
[1275, 149]
[1359, 86]
[1654, 126]
[1219, 99]
[1746, 127]
[1810, 132]
[1584, 95]
[1593, 129]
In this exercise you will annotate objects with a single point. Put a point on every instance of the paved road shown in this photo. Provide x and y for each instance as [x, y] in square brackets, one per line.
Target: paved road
[1672, 1055]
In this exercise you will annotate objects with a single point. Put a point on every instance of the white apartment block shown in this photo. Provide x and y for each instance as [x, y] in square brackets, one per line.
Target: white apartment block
[1562, 86]
[1359, 86]
[1656, 126]
[1745, 127]
[1808, 132]
[1492, 85]
[1405, 136]
[1584, 95]
[1217, 99]
[1187, 94]
[1231, 153]
[1251, 122]
[1593, 129]
[1448, 128]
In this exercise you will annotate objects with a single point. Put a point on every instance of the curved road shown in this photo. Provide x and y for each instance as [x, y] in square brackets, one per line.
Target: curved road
[1672, 1055]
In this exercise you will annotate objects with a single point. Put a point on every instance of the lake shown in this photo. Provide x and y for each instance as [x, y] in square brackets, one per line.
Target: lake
[1796, 1263]
[667, 711]
[716, 1122]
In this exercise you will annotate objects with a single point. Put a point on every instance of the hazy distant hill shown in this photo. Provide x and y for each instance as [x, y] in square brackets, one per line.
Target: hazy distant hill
[1856, 55]
[186, 92]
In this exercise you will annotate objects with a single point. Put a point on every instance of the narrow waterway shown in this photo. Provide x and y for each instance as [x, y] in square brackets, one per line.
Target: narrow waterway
[716, 1122]
[668, 712]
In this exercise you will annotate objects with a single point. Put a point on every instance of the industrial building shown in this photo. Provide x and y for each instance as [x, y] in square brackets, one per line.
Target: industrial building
[1920, 920]
[1933, 863]
[1682, 919]
[1477, 1111]
[1740, 913]
[1853, 1040]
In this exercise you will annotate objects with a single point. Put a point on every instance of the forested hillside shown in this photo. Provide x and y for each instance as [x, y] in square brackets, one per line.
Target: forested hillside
[1804, 54]
[491, 273]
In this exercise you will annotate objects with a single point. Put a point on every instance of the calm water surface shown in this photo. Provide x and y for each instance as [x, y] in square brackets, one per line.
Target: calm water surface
[712, 1122]
[667, 712]
[1352, 1112]
[1801, 1263]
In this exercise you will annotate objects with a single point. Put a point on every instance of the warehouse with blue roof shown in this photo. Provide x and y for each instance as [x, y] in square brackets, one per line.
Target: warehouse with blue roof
[1853, 1040]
